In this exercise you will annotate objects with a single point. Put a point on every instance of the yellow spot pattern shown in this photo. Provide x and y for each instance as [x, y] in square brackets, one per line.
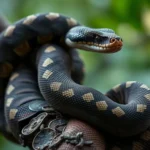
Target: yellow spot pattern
[147, 96]
[101, 105]
[14, 76]
[141, 108]
[47, 74]
[10, 89]
[129, 83]
[50, 49]
[52, 16]
[118, 112]
[12, 113]
[71, 22]
[9, 31]
[9, 101]
[88, 97]
[55, 86]
[47, 62]
[29, 19]
[144, 87]
[68, 93]
[116, 88]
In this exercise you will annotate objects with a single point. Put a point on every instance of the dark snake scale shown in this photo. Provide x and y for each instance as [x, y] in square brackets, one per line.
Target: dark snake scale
[46, 42]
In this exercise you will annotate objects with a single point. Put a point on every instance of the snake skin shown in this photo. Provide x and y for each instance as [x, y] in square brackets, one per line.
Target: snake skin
[26, 102]
[9, 58]
[123, 111]
[26, 84]
[127, 118]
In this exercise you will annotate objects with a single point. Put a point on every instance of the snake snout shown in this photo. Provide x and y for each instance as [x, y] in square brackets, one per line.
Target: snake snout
[115, 44]
[117, 41]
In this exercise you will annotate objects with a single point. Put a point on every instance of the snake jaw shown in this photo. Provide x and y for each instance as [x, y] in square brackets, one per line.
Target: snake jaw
[114, 46]
[96, 40]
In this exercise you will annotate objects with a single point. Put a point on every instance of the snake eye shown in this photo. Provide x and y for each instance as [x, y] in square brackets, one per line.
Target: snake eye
[96, 37]
[99, 39]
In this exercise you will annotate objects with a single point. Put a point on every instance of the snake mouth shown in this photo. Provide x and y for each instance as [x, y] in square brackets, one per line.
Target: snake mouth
[107, 45]
[111, 45]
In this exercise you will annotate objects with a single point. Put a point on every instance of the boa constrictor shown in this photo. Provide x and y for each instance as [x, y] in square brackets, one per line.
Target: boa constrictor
[123, 111]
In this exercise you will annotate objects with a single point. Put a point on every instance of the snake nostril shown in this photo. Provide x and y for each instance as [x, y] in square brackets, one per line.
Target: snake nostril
[112, 40]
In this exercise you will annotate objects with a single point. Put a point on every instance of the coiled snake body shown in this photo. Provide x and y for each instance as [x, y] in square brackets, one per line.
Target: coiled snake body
[123, 111]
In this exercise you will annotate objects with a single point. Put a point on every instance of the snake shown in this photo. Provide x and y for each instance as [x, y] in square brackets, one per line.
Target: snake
[49, 39]
[31, 103]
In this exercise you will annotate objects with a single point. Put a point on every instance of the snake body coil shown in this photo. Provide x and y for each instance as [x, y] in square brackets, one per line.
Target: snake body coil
[30, 104]
[123, 112]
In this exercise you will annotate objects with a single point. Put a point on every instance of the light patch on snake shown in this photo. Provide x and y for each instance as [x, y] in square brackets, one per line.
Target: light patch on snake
[9, 101]
[47, 62]
[144, 87]
[129, 83]
[14, 76]
[147, 96]
[52, 16]
[71, 22]
[137, 146]
[68, 93]
[47, 74]
[118, 112]
[22, 49]
[50, 49]
[116, 88]
[88, 97]
[10, 89]
[5, 69]
[146, 136]
[141, 108]
[101, 105]
[29, 19]
[55, 86]
[9, 31]
[12, 113]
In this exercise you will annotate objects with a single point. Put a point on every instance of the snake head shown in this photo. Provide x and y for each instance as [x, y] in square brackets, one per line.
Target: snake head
[98, 40]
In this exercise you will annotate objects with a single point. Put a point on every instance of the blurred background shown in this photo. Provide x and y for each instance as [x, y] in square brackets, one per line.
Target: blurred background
[129, 18]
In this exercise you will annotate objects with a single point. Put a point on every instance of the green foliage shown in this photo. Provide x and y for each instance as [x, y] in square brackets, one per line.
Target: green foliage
[129, 18]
